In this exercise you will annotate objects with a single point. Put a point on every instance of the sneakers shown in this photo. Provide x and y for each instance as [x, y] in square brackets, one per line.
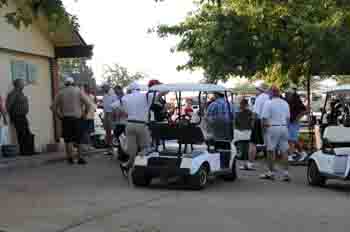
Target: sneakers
[125, 170]
[267, 176]
[247, 167]
[70, 161]
[82, 161]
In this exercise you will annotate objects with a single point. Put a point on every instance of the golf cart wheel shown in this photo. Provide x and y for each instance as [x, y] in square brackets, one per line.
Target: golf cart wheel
[140, 178]
[233, 175]
[314, 176]
[199, 180]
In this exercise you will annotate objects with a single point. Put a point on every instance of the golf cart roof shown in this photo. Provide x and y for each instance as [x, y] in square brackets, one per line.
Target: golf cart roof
[189, 87]
[337, 134]
[339, 89]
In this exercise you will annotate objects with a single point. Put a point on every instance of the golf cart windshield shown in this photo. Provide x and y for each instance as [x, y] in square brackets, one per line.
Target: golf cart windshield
[182, 129]
[335, 120]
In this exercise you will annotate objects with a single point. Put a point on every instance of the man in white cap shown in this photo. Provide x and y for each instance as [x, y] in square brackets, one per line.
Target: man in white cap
[137, 106]
[257, 137]
[68, 106]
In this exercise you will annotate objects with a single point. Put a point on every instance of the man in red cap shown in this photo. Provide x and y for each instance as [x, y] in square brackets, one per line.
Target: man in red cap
[276, 116]
[158, 107]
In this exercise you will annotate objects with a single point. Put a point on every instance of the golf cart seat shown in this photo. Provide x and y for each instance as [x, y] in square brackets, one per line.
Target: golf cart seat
[337, 135]
[190, 134]
[163, 131]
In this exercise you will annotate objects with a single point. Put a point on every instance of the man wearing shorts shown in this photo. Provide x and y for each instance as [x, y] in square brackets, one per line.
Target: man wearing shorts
[297, 111]
[276, 116]
[257, 137]
[68, 106]
[136, 105]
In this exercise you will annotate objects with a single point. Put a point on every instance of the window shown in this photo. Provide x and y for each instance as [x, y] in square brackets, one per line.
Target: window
[26, 71]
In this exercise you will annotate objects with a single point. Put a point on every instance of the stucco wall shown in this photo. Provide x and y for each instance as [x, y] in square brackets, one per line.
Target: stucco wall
[29, 40]
[40, 99]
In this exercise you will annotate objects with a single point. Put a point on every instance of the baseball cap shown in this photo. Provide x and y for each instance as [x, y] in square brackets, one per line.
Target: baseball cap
[153, 82]
[133, 86]
[69, 80]
[262, 87]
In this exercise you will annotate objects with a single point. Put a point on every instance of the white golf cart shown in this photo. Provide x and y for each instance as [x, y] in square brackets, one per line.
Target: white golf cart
[185, 152]
[332, 161]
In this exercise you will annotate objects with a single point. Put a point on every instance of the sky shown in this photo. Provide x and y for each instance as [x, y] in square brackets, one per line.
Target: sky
[118, 31]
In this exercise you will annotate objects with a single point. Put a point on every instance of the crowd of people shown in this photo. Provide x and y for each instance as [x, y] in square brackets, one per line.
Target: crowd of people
[273, 121]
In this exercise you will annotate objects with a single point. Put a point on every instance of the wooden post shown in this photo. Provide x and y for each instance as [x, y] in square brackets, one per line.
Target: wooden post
[55, 84]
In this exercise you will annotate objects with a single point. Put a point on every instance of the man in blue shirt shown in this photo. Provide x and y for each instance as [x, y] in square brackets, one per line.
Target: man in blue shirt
[220, 116]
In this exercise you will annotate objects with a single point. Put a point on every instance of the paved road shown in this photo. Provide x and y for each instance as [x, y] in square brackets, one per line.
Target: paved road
[61, 198]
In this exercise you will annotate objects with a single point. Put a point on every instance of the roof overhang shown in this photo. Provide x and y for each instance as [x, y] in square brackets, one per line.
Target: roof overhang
[70, 44]
[66, 39]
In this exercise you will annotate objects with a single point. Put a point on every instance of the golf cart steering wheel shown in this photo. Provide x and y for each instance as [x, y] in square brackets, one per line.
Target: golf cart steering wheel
[183, 120]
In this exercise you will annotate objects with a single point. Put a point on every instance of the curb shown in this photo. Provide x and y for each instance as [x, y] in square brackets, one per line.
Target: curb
[34, 162]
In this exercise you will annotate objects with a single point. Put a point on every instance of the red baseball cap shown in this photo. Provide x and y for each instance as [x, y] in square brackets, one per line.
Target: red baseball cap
[153, 82]
[275, 91]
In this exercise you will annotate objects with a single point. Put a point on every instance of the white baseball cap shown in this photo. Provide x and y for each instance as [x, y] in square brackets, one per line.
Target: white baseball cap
[133, 86]
[69, 80]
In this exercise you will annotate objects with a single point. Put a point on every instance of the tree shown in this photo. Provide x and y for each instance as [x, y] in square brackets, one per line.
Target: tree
[284, 40]
[119, 75]
[29, 10]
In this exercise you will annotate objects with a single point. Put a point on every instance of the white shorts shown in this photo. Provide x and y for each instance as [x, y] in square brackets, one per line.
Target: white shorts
[277, 138]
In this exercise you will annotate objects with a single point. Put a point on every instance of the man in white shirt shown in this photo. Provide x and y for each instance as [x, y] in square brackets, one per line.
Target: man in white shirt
[276, 116]
[137, 106]
[108, 99]
[257, 136]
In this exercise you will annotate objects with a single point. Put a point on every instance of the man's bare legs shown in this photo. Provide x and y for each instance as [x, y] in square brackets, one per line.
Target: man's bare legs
[285, 166]
[270, 174]
[69, 152]
[252, 152]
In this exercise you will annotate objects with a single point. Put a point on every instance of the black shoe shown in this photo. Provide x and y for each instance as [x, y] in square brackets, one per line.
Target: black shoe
[70, 161]
[82, 161]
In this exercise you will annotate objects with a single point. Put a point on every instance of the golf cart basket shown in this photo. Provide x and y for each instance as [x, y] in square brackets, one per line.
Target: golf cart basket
[183, 130]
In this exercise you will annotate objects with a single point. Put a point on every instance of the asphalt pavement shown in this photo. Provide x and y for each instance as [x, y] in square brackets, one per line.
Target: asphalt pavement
[95, 197]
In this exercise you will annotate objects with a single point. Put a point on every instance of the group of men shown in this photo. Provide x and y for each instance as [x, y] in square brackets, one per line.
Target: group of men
[275, 122]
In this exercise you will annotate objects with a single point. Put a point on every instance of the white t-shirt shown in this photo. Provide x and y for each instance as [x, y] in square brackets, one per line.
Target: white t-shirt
[276, 111]
[136, 105]
[259, 104]
[108, 99]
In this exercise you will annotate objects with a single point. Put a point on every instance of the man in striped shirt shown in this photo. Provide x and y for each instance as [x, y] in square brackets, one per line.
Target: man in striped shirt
[220, 116]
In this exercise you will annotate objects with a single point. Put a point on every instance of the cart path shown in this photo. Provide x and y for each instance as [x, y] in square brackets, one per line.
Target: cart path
[60, 198]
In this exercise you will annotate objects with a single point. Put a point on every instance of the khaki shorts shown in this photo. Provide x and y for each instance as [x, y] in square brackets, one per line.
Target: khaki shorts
[138, 138]
[277, 138]
[107, 121]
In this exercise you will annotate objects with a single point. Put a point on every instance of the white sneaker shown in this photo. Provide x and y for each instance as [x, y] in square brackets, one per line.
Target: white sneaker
[250, 166]
[247, 167]
[267, 176]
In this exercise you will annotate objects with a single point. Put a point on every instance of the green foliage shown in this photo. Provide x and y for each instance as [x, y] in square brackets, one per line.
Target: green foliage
[119, 75]
[29, 10]
[281, 40]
